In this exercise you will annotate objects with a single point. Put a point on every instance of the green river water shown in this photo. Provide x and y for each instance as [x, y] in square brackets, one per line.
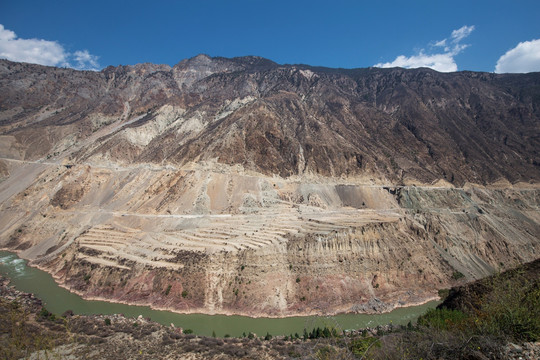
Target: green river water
[58, 300]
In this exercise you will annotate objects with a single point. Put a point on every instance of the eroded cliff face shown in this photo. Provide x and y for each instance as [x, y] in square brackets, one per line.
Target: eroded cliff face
[226, 242]
[247, 187]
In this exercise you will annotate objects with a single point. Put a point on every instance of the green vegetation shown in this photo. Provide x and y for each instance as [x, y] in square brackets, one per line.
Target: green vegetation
[168, 290]
[443, 293]
[184, 294]
[509, 306]
[326, 353]
[481, 318]
[361, 345]
[20, 336]
[45, 314]
[442, 319]
[317, 333]
[512, 308]
[457, 275]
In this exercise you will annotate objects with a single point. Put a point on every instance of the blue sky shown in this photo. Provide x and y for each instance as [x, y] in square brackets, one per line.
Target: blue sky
[445, 35]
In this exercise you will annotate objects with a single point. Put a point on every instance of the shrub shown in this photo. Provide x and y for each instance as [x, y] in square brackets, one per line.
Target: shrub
[456, 275]
[107, 321]
[443, 293]
[513, 309]
[184, 294]
[44, 313]
[294, 354]
[442, 319]
[326, 353]
[360, 346]
[168, 290]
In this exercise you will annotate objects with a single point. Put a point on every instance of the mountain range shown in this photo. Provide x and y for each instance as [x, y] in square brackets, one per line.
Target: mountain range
[242, 186]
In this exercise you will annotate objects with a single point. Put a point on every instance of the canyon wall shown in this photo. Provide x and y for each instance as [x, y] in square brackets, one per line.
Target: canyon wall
[200, 241]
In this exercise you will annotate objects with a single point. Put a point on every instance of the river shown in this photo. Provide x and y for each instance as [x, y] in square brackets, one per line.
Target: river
[57, 300]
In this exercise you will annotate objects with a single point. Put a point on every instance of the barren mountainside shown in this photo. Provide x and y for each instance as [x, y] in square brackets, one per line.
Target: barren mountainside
[395, 124]
[248, 187]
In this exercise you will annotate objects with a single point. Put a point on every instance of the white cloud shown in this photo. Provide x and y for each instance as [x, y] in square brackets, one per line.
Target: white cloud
[443, 62]
[441, 43]
[461, 33]
[30, 50]
[43, 52]
[439, 62]
[86, 60]
[525, 57]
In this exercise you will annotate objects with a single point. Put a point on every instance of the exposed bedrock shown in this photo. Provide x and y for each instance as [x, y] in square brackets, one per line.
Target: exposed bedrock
[200, 241]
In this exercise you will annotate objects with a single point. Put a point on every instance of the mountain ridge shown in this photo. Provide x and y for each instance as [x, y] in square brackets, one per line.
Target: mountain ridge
[361, 113]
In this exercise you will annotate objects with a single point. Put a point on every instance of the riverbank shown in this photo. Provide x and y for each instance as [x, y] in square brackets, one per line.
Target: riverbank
[24, 321]
[58, 300]
[372, 307]
[28, 330]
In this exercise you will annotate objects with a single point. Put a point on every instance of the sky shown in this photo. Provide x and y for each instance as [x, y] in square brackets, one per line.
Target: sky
[490, 36]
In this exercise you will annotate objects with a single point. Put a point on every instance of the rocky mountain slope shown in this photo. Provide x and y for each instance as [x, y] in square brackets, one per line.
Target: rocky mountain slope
[416, 125]
[245, 186]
